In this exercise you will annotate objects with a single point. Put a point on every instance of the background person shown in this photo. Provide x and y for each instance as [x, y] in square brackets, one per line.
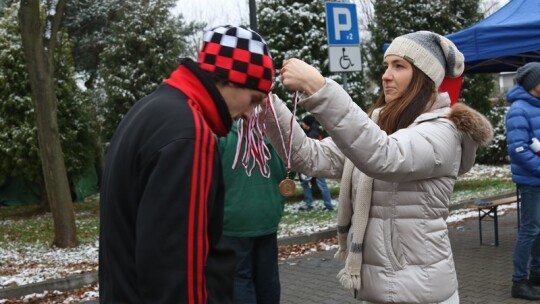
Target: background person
[253, 210]
[522, 125]
[162, 195]
[313, 130]
[398, 165]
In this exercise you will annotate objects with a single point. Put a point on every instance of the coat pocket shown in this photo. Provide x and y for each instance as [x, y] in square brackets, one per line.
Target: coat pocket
[392, 246]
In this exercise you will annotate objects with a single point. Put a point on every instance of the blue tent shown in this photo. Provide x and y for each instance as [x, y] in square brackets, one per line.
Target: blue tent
[504, 41]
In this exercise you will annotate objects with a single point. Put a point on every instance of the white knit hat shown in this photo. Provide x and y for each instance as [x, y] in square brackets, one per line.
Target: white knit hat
[432, 53]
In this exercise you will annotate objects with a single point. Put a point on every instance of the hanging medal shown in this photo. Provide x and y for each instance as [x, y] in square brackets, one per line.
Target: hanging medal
[256, 154]
[287, 186]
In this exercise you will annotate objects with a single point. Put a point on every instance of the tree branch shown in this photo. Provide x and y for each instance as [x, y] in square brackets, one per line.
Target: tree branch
[55, 12]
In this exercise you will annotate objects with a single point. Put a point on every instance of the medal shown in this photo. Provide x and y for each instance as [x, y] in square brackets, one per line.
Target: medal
[287, 187]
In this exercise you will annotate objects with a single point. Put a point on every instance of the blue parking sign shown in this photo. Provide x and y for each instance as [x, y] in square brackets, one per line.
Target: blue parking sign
[341, 23]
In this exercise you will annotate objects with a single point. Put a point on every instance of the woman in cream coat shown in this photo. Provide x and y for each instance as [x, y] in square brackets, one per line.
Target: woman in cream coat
[398, 166]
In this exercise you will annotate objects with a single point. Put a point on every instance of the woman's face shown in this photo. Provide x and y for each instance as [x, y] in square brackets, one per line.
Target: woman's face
[396, 78]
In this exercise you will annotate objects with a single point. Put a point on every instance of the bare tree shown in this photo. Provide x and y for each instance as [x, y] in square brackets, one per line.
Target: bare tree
[39, 38]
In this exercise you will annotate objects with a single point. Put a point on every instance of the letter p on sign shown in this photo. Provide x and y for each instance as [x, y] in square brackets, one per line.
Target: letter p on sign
[341, 23]
[342, 19]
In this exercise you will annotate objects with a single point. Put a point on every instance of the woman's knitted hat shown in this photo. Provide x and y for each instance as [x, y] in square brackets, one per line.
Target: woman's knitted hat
[239, 55]
[432, 53]
[528, 76]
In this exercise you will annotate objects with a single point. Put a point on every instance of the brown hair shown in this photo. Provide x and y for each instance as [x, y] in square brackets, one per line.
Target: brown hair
[401, 112]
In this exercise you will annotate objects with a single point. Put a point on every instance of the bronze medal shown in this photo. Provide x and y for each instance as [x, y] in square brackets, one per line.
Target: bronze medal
[286, 187]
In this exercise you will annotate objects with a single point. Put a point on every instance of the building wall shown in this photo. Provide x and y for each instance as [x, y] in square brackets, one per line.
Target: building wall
[506, 81]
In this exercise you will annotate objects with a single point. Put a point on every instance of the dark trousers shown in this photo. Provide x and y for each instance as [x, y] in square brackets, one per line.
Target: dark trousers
[527, 249]
[256, 279]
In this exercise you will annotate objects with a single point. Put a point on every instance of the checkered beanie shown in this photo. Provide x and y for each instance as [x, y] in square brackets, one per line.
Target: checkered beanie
[432, 53]
[528, 76]
[239, 55]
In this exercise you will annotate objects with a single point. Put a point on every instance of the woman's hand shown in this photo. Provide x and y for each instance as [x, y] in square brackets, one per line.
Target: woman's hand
[300, 76]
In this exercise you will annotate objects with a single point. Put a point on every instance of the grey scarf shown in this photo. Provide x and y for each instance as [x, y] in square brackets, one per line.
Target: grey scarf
[353, 215]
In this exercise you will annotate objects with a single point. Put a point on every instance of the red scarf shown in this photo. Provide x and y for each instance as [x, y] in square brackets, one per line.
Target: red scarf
[184, 80]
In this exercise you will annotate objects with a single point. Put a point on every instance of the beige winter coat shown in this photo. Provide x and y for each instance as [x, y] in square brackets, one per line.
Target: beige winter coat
[407, 257]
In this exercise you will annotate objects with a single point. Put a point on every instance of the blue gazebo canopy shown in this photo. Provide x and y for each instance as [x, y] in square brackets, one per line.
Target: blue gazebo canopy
[504, 41]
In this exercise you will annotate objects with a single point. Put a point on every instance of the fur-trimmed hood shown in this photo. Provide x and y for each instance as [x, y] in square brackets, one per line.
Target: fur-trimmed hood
[467, 120]
[476, 129]
[471, 123]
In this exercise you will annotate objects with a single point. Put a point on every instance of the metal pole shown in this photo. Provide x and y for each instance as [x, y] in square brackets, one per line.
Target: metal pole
[345, 87]
[253, 15]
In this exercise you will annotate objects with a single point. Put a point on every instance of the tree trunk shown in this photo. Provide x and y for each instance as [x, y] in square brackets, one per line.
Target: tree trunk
[38, 44]
[99, 160]
[44, 200]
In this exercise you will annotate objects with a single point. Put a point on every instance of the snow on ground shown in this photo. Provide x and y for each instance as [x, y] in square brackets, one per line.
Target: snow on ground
[22, 265]
[485, 171]
[459, 215]
[39, 262]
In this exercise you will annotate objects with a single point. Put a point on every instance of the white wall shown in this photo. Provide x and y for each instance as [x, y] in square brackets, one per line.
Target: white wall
[506, 81]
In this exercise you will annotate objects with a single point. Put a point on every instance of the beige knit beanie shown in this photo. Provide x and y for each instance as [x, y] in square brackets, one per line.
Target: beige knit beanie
[432, 53]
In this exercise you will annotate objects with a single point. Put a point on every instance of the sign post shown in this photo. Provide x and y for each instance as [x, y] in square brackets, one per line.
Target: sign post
[343, 38]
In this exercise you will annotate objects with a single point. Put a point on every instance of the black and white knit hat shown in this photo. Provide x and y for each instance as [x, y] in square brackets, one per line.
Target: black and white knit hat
[239, 55]
[528, 76]
[432, 53]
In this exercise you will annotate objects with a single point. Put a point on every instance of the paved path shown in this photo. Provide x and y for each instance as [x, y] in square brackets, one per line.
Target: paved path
[484, 272]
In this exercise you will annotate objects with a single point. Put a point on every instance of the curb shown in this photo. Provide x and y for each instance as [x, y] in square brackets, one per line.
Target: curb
[61, 284]
[79, 281]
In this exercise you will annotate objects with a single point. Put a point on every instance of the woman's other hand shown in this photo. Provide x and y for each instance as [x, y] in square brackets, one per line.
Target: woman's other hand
[300, 76]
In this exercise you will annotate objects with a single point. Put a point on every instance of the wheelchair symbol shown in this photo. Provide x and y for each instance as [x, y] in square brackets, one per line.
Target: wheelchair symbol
[344, 61]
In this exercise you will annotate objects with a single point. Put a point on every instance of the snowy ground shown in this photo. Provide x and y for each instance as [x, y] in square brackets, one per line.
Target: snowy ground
[21, 265]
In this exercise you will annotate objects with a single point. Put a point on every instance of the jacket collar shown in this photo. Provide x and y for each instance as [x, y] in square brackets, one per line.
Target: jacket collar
[519, 93]
[202, 91]
[440, 108]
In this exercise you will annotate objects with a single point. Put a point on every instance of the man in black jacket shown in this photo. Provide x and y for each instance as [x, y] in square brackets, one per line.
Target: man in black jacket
[162, 193]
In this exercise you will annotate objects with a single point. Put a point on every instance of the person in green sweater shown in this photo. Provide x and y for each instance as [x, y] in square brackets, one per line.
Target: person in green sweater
[253, 209]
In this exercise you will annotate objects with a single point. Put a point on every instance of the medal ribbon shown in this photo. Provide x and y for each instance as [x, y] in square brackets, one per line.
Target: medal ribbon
[251, 134]
[288, 148]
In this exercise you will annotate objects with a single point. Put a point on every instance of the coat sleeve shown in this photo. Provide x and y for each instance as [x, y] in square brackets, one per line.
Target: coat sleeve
[310, 156]
[429, 149]
[172, 230]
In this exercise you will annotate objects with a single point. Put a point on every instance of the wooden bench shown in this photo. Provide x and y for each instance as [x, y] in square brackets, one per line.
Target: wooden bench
[489, 209]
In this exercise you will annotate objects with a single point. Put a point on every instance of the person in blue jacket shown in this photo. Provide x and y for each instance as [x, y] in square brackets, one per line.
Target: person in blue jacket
[253, 210]
[522, 129]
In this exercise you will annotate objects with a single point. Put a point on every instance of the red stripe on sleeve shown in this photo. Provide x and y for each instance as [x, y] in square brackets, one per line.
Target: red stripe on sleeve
[194, 283]
[205, 182]
[191, 220]
[197, 246]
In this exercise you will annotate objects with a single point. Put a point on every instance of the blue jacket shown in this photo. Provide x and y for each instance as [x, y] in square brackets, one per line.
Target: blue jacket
[522, 124]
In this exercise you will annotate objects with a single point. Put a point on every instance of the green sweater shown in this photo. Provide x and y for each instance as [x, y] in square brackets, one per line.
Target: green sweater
[253, 204]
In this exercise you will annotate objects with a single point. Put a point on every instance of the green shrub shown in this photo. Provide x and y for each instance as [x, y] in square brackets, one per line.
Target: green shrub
[495, 152]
